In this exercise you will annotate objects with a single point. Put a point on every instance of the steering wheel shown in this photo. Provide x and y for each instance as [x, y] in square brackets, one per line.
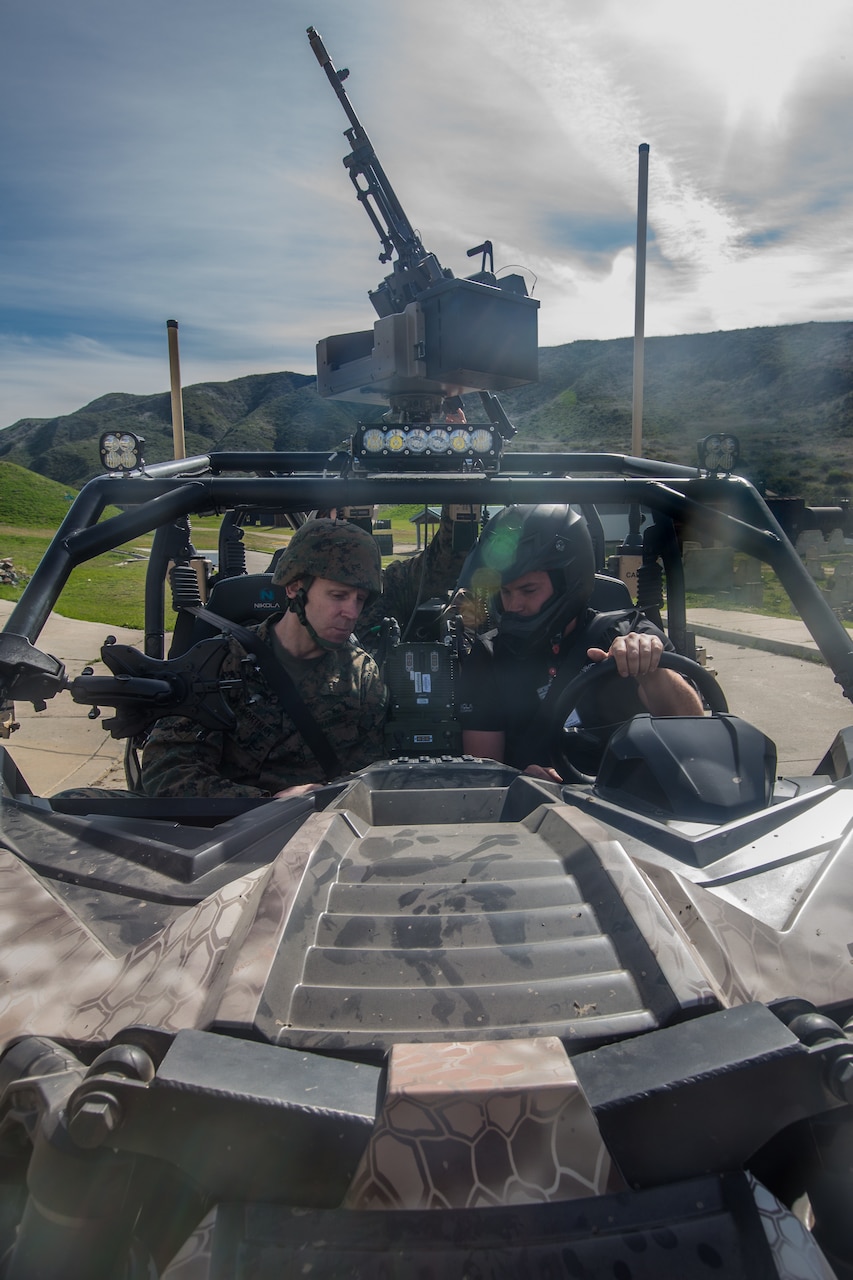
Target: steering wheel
[601, 672]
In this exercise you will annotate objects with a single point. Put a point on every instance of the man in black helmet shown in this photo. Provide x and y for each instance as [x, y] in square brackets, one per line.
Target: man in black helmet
[324, 578]
[538, 565]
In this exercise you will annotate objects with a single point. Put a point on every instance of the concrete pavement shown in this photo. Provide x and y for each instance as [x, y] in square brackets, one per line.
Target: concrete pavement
[774, 676]
[787, 636]
[61, 747]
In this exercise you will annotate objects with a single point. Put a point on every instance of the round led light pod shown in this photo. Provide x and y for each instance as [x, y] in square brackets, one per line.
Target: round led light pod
[437, 441]
[460, 441]
[416, 440]
[373, 440]
[120, 451]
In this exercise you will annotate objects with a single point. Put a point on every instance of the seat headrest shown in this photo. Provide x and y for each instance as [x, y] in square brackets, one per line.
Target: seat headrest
[249, 597]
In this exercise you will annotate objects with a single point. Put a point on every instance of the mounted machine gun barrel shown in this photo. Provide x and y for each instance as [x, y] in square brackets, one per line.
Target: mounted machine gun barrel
[436, 336]
[415, 268]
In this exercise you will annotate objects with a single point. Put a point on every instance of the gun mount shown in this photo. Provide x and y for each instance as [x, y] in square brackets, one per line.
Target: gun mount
[436, 336]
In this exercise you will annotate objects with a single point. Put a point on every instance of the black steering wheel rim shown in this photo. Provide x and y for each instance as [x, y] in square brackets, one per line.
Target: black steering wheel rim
[607, 670]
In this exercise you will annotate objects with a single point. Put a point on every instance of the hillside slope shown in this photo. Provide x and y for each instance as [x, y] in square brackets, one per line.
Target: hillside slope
[262, 411]
[30, 501]
[786, 391]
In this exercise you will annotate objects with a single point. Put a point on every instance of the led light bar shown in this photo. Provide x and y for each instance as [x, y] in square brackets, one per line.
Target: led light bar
[427, 445]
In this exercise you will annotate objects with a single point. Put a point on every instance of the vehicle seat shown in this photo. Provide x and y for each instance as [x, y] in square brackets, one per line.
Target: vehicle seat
[610, 594]
[246, 598]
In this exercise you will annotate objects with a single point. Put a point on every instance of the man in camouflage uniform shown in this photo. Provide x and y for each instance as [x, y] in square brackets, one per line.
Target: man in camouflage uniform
[327, 574]
[430, 574]
[407, 583]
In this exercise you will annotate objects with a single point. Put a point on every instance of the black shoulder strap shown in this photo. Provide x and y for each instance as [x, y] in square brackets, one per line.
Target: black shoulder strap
[282, 683]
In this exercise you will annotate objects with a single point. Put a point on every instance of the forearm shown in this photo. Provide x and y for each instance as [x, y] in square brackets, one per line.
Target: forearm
[442, 563]
[666, 693]
[662, 691]
[176, 763]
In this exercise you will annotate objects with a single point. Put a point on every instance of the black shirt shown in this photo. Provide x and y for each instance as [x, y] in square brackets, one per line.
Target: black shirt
[502, 692]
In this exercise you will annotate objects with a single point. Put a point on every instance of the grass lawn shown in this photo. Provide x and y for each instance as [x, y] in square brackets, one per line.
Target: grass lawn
[110, 589]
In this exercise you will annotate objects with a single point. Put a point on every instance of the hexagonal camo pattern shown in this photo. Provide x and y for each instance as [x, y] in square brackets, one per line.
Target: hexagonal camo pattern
[466, 1126]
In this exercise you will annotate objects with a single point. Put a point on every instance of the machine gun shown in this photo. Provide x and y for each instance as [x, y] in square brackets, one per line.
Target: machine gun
[436, 337]
[415, 269]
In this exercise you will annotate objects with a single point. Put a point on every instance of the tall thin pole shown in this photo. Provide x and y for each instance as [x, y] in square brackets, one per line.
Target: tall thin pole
[640, 303]
[177, 398]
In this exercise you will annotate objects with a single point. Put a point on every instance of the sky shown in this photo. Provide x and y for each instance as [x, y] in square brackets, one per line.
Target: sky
[182, 159]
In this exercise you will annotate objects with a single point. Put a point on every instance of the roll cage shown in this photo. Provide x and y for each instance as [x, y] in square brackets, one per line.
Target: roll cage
[163, 498]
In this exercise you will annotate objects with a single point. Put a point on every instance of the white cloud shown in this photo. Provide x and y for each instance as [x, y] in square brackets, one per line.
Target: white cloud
[57, 377]
[185, 160]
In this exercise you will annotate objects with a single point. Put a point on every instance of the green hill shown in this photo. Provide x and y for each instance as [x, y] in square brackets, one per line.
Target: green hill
[30, 501]
[264, 411]
[786, 391]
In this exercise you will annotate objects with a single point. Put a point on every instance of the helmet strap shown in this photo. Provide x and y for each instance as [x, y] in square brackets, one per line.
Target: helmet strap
[543, 629]
[297, 603]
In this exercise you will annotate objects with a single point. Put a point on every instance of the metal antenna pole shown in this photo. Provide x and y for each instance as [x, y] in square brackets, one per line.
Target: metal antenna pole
[177, 398]
[640, 303]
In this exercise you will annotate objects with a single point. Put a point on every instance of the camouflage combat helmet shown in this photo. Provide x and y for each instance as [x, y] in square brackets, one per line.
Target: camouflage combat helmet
[523, 539]
[333, 549]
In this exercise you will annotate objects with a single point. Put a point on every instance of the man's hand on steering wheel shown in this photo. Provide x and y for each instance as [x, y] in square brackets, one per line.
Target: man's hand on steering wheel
[677, 699]
[661, 691]
[635, 654]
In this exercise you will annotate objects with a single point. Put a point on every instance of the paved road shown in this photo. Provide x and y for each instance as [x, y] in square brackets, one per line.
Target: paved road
[61, 747]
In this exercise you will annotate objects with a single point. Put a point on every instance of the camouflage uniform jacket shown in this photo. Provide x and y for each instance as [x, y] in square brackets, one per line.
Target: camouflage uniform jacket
[264, 752]
[402, 587]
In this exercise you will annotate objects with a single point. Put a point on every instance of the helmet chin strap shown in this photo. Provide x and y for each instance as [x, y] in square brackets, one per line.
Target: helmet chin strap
[521, 634]
[297, 604]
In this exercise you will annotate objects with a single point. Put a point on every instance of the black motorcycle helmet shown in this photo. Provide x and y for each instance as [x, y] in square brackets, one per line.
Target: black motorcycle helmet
[520, 540]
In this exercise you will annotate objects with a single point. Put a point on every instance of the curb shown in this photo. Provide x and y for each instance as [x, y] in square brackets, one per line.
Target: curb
[786, 648]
